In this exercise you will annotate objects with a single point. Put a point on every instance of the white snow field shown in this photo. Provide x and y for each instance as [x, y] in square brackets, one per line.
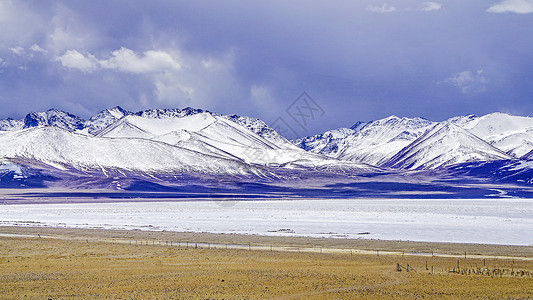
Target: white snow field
[488, 221]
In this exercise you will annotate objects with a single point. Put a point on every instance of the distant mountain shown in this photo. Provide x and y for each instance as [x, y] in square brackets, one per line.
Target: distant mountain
[64, 150]
[511, 134]
[212, 134]
[377, 142]
[10, 124]
[158, 113]
[105, 118]
[444, 144]
[54, 117]
[373, 143]
[262, 129]
[195, 141]
[155, 142]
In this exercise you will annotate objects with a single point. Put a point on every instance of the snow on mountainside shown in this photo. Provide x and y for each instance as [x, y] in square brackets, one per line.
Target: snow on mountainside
[162, 113]
[443, 145]
[358, 125]
[393, 142]
[215, 135]
[241, 141]
[372, 143]
[255, 125]
[511, 134]
[325, 143]
[527, 156]
[54, 117]
[65, 150]
[262, 129]
[10, 124]
[105, 118]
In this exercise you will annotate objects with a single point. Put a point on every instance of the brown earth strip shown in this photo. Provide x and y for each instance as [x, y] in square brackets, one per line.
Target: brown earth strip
[83, 264]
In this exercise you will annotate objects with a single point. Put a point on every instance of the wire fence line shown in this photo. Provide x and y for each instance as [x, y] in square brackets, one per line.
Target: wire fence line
[198, 244]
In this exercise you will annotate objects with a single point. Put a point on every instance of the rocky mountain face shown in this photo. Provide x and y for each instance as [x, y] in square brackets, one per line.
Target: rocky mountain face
[177, 142]
[409, 143]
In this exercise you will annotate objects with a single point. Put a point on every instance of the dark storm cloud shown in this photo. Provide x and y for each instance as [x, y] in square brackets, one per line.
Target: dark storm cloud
[359, 60]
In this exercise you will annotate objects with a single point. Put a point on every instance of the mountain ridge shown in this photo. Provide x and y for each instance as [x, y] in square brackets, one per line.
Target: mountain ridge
[382, 143]
[512, 135]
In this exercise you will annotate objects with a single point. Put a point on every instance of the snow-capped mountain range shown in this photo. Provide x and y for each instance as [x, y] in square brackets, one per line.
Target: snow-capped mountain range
[156, 141]
[405, 143]
[174, 142]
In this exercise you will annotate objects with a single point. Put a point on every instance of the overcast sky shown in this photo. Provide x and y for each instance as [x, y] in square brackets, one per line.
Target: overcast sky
[358, 60]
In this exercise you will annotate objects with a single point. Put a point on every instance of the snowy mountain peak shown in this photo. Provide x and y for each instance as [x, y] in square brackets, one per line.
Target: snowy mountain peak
[372, 143]
[118, 112]
[511, 134]
[159, 113]
[64, 150]
[105, 118]
[358, 125]
[444, 144]
[262, 129]
[404, 121]
[11, 124]
[54, 117]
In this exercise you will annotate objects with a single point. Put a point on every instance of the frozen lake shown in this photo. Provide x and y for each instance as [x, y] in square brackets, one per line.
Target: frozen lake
[488, 221]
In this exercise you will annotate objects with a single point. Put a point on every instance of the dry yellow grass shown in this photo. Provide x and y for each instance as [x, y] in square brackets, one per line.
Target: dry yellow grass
[73, 269]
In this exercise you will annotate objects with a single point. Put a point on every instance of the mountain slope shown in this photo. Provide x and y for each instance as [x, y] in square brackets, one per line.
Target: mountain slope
[443, 145]
[217, 136]
[262, 129]
[10, 124]
[511, 134]
[105, 118]
[372, 143]
[54, 117]
[65, 150]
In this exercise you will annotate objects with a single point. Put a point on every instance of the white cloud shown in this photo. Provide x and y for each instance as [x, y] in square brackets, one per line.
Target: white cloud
[75, 60]
[17, 50]
[381, 9]
[37, 48]
[512, 6]
[430, 6]
[178, 78]
[152, 62]
[468, 81]
[124, 60]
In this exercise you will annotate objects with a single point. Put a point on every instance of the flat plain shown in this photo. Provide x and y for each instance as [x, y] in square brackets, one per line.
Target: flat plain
[54, 263]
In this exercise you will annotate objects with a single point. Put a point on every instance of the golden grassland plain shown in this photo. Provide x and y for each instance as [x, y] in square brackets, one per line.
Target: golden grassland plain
[95, 264]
